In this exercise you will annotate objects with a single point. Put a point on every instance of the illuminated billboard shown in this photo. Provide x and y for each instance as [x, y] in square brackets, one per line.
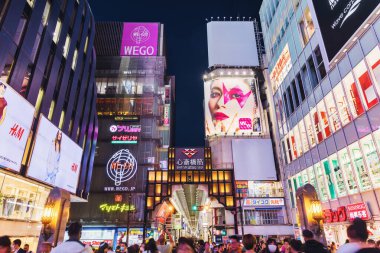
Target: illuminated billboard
[16, 118]
[139, 39]
[56, 159]
[281, 68]
[231, 107]
[189, 158]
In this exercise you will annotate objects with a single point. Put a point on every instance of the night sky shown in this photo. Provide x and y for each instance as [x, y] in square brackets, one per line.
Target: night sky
[186, 47]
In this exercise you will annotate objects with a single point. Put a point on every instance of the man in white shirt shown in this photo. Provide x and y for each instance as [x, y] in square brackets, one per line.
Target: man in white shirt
[161, 243]
[73, 245]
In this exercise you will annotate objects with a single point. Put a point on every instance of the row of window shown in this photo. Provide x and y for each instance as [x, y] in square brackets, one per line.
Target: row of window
[350, 170]
[129, 86]
[358, 91]
[263, 217]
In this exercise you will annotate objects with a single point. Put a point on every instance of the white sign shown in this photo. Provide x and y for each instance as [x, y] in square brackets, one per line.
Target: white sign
[121, 167]
[281, 68]
[16, 118]
[264, 202]
[56, 159]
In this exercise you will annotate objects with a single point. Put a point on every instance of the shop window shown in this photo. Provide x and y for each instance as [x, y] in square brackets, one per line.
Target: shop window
[303, 134]
[338, 176]
[372, 159]
[332, 112]
[293, 145]
[300, 86]
[342, 104]
[357, 159]
[299, 179]
[284, 153]
[57, 31]
[320, 65]
[310, 131]
[322, 186]
[329, 179]
[297, 140]
[306, 26]
[324, 119]
[317, 124]
[295, 93]
[306, 81]
[373, 60]
[352, 94]
[305, 177]
[289, 149]
[376, 136]
[313, 72]
[366, 86]
[312, 177]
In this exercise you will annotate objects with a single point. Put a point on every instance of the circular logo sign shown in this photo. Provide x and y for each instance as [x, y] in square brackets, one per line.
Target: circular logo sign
[140, 34]
[113, 128]
[121, 167]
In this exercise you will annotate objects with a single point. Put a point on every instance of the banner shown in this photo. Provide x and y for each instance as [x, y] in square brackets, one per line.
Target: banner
[16, 118]
[231, 107]
[139, 39]
[56, 159]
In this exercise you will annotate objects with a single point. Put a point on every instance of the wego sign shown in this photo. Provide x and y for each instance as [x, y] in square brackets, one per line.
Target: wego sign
[139, 39]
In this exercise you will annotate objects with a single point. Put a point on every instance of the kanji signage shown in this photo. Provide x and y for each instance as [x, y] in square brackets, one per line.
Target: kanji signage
[124, 139]
[116, 208]
[339, 215]
[358, 210]
[264, 202]
[346, 213]
[189, 158]
[281, 68]
[125, 128]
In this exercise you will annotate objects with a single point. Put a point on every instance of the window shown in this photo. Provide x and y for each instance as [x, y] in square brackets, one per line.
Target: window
[45, 15]
[342, 104]
[312, 178]
[285, 104]
[372, 159]
[306, 26]
[300, 86]
[338, 176]
[66, 47]
[352, 94]
[75, 57]
[293, 145]
[332, 112]
[306, 81]
[297, 139]
[320, 64]
[324, 119]
[295, 93]
[289, 95]
[373, 60]
[313, 73]
[263, 217]
[348, 172]
[321, 182]
[57, 31]
[329, 179]
[289, 149]
[357, 158]
[317, 124]
[310, 131]
[366, 87]
[303, 134]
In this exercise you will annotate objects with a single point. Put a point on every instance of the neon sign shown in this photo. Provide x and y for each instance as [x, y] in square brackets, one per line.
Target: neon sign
[125, 128]
[121, 167]
[117, 208]
[124, 139]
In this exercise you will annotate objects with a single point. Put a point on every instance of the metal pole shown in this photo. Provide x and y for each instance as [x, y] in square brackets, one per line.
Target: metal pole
[241, 215]
[129, 203]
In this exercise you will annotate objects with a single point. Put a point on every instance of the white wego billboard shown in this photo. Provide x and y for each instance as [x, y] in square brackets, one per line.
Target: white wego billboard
[16, 118]
[231, 107]
[56, 159]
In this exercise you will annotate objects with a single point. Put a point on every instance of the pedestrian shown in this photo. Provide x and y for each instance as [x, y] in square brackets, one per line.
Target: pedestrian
[249, 242]
[295, 246]
[5, 244]
[161, 243]
[110, 250]
[207, 247]
[311, 245]
[358, 234]
[333, 248]
[371, 243]
[185, 245]
[270, 247]
[285, 246]
[26, 248]
[201, 246]
[73, 244]
[17, 246]
[151, 247]
[103, 248]
[235, 245]
[118, 249]
[142, 248]
[378, 244]
[133, 249]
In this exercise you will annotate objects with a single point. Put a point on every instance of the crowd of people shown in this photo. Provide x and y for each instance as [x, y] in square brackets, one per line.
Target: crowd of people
[357, 242]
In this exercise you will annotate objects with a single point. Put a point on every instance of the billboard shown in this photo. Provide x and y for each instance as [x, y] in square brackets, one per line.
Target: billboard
[281, 68]
[16, 118]
[339, 20]
[232, 43]
[253, 159]
[189, 158]
[56, 159]
[139, 39]
[231, 107]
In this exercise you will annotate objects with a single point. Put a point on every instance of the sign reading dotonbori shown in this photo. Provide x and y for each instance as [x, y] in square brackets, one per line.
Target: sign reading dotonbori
[339, 20]
[189, 158]
[344, 213]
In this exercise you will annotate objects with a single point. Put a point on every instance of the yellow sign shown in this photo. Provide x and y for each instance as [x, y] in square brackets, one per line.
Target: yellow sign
[117, 208]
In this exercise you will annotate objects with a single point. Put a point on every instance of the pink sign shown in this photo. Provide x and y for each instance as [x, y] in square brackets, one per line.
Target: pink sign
[358, 210]
[139, 39]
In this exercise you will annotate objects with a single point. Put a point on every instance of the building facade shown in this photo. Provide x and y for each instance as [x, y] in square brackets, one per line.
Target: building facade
[134, 109]
[47, 103]
[323, 85]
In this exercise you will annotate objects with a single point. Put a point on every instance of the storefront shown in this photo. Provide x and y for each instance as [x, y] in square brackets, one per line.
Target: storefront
[21, 207]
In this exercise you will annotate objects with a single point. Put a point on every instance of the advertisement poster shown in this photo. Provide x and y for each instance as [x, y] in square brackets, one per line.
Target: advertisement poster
[339, 20]
[189, 158]
[16, 118]
[56, 159]
[139, 39]
[231, 107]
[281, 68]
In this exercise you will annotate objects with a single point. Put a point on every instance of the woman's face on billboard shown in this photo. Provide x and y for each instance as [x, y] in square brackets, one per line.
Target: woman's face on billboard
[230, 100]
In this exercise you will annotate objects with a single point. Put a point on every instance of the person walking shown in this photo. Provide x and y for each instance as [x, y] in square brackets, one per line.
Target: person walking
[333, 248]
[26, 248]
[311, 245]
[151, 247]
[235, 245]
[5, 244]
[73, 244]
[270, 247]
[295, 246]
[17, 246]
[162, 246]
[249, 242]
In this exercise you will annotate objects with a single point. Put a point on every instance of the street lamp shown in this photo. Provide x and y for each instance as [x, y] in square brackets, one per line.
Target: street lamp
[46, 219]
[316, 211]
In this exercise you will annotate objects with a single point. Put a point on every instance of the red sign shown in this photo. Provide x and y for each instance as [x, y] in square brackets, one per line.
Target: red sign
[330, 216]
[358, 210]
[118, 198]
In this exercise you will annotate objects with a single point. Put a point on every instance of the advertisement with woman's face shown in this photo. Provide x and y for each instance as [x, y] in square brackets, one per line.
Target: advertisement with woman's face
[231, 107]
[56, 159]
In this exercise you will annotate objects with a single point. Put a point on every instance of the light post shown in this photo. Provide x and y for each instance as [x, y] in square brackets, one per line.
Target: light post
[316, 211]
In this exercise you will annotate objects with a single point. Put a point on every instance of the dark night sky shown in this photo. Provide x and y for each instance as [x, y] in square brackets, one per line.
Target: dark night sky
[186, 45]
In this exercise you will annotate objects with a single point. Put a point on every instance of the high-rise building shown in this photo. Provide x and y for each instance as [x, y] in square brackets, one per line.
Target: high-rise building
[134, 109]
[324, 86]
[48, 124]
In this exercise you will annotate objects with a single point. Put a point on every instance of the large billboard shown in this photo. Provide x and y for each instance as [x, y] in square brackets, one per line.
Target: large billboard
[339, 20]
[232, 43]
[16, 118]
[189, 158]
[140, 39]
[231, 107]
[56, 159]
[281, 68]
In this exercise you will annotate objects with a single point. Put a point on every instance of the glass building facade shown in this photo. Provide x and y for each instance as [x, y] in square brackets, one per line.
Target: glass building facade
[326, 112]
